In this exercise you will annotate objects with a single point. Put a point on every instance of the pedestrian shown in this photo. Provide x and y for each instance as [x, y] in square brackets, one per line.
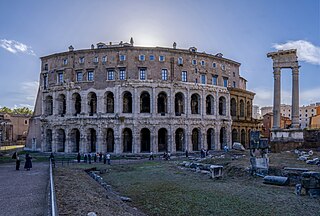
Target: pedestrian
[17, 162]
[78, 157]
[85, 159]
[109, 159]
[52, 160]
[28, 163]
[168, 156]
[151, 157]
[14, 156]
[89, 158]
[187, 154]
[105, 159]
[100, 157]
[95, 158]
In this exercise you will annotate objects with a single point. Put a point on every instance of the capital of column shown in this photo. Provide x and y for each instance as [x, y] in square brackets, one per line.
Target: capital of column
[276, 70]
[295, 71]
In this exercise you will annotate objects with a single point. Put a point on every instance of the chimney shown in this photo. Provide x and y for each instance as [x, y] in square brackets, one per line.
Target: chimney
[71, 48]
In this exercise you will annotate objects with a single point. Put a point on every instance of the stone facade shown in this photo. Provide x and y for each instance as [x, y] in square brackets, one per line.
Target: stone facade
[126, 99]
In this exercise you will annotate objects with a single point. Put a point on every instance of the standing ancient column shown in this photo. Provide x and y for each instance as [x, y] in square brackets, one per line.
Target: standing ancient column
[295, 97]
[276, 97]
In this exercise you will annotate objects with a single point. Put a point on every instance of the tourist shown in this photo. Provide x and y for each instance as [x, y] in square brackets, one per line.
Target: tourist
[187, 154]
[105, 159]
[78, 157]
[89, 158]
[85, 158]
[17, 162]
[151, 157]
[28, 163]
[100, 157]
[109, 159]
[95, 158]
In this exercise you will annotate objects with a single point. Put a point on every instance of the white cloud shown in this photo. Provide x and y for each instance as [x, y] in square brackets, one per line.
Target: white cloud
[306, 51]
[16, 47]
[29, 90]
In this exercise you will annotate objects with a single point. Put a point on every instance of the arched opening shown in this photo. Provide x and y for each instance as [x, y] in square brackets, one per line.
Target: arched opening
[210, 105]
[243, 137]
[222, 106]
[49, 140]
[145, 140]
[162, 140]
[75, 140]
[233, 107]
[248, 135]
[76, 98]
[223, 137]
[127, 102]
[162, 103]
[210, 139]
[145, 102]
[249, 110]
[110, 140]
[61, 140]
[49, 105]
[61, 102]
[109, 102]
[127, 140]
[92, 103]
[179, 138]
[241, 108]
[234, 136]
[179, 104]
[196, 139]
[92, 140]
[195, 104]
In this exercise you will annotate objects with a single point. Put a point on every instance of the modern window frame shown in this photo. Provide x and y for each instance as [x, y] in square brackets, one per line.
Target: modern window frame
[184, 76]
[122, 74]
[142, 74]
[78, 79]
[162, 58]
[90, 75]
[142, 57]
[152, 58]
[110, 75]
[164, 74]
[122, 57]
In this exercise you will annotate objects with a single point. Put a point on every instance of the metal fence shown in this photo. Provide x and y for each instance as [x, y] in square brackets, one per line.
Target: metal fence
[53, 202]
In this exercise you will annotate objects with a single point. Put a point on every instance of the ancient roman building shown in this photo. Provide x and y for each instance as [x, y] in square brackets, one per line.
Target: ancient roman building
[127, 99]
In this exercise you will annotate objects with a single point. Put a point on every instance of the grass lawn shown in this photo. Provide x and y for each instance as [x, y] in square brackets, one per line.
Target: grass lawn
[161, 188]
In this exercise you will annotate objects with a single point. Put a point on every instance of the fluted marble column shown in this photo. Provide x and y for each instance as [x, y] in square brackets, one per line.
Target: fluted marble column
[295, 98]
[276, 97]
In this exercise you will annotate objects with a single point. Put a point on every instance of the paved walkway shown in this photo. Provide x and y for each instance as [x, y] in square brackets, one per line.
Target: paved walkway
[23, 192]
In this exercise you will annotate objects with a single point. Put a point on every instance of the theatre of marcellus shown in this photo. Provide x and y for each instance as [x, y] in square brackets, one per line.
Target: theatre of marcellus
[121, 98]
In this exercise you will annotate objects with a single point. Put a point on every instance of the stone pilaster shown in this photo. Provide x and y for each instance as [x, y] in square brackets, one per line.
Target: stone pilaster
[295, 97]
[276, 97]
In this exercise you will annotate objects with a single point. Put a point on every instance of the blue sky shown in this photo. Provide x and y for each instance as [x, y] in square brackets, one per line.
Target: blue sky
[244, 31]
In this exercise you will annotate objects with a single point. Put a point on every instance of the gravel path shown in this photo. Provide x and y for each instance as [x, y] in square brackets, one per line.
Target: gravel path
[23, 192]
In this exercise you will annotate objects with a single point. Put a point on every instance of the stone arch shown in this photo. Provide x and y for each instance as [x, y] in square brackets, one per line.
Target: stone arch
[241, 108]
[249, 109]
[243, 137]
[92, 103]
[49, 140]
[145, 102]
[211, 139]
[233, 107]
[127, 102]
[76, 100]
[75, 137]
[196, 139]
[180, 139]
[145, 140]
[210, 105]
[109, 137]
[223, 137]
[195, 103]
[109, 102]
[62, 104]
[162, 102]
[49, 105]
[234, 135]
[61, 140]
[179, 104]
[92, 139]
[222, 106]
[162, 140]
[127, 140]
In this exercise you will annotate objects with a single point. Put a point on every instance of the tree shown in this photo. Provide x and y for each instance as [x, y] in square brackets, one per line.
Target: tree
[20, 110]
[5, 110]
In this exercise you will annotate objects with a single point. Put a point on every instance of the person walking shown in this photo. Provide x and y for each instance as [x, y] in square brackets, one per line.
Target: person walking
[151, 157]
[109, 159]
[78, 157]
[89, 158]
[105, 159]
[17, 162]
[28, 163]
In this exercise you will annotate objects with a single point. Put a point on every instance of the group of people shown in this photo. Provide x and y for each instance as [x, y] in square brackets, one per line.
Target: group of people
[87, 158]
[204, 153]
[27, 164]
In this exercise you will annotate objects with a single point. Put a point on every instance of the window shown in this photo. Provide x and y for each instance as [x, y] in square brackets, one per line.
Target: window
[45, 81]
[151, 57]
[122, 57]
[60, 77]
[65, 61]
[110, 75]
[180, 61]
[215, 80]
[104, 59]
[203, 79]
[122, 74]
[46, 67]
[25, 121]
[214, 65]
[164, 74]
[306, 115]
[194, 62]
[81, 60]
[184, 76]
[141, 57]
[203, 63]
[234, 84]
[223, 67]
[79, 76]
[142, 74]
[161, 58]
[90, 75]
[225, 81]
[96, 59]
